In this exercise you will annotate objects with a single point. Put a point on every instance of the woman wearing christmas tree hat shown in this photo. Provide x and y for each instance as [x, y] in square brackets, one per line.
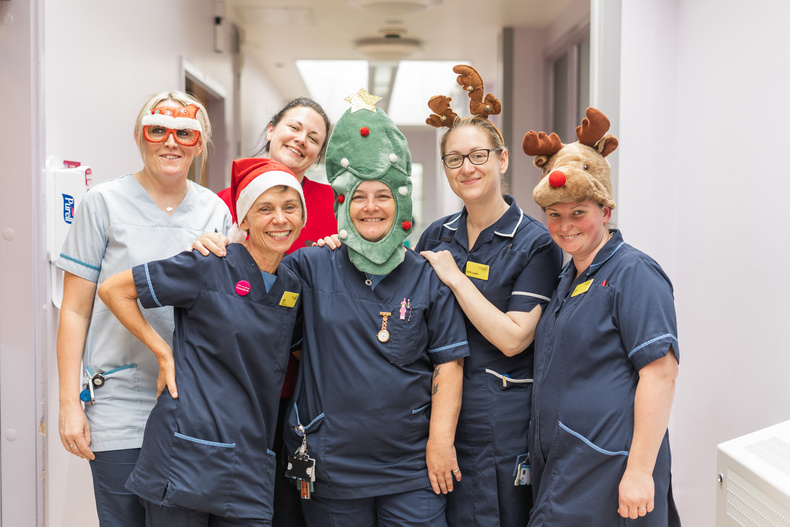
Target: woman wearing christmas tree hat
[379, 389]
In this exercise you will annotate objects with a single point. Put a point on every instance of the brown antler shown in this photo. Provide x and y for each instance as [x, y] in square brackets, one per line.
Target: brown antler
[540, 144]
[593, 127]
[444, 116]
[472, 82]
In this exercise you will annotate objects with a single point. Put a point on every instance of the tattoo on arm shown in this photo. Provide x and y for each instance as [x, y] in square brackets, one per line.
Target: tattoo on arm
[436, 384]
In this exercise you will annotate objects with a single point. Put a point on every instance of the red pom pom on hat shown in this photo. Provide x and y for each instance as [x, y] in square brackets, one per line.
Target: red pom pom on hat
[364, 131]
[557, 179]
[406, 225]
[341, 198]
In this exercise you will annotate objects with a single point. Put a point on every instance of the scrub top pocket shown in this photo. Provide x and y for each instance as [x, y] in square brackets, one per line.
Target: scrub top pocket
[585, 481]
[201, 475]
[401, 349]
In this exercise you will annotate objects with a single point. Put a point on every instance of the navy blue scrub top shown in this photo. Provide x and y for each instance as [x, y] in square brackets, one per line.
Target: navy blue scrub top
[523, 264]
[209, 450]
[598, 331]
[365, 404]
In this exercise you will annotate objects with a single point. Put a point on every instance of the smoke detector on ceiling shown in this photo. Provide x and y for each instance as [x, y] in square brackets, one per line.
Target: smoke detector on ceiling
[393, 7]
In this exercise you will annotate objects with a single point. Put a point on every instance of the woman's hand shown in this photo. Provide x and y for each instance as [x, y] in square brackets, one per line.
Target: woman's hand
[333, 242]
[213, 242]
[75, 432]
[444, 265]
[167, 373]
[442, 465]
[652, 405]
[637, 491]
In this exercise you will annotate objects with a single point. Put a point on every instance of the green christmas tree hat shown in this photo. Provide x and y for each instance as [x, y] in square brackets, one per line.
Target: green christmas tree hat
[365, 145]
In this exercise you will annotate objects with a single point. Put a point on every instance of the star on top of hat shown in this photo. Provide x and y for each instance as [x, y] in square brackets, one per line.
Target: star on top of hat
[362, 99]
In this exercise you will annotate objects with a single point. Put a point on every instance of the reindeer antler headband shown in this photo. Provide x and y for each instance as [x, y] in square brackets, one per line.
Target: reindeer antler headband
[479, 106]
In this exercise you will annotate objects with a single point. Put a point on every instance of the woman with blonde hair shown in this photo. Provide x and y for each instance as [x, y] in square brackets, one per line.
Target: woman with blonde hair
[107, 378]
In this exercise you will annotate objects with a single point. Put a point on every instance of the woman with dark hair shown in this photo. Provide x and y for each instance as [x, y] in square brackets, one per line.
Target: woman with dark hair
[296, 136]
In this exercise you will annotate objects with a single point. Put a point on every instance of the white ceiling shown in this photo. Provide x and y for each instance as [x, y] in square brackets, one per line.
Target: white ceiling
[276, 33]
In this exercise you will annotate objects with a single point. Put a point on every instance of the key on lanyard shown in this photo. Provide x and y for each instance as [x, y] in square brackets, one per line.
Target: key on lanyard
[301, 468]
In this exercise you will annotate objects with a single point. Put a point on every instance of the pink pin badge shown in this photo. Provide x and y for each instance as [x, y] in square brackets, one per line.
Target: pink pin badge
[242, 287]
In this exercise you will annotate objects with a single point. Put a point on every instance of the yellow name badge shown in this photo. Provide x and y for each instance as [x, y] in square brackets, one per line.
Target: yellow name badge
[582, 288]
[289, 299]
[476, 270]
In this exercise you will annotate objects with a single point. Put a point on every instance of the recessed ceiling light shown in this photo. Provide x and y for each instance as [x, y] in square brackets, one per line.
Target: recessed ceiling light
[388, 49]
[393, 7]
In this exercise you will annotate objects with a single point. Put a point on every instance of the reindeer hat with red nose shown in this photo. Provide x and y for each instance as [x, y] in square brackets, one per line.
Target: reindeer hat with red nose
[577, 171]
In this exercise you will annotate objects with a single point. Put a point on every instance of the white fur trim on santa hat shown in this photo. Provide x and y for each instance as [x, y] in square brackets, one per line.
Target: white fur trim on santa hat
[168, 121]
[261, 184]
[236, 235]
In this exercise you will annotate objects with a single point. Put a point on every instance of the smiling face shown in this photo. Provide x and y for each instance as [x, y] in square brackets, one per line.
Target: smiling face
[473, 182]
[296, 141]
[168, 159]
[580, 229]
[372, 210]
[274, 220]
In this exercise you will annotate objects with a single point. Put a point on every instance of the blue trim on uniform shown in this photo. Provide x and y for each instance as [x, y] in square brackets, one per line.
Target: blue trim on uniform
[271, 453]
[649, 342]
[594, 267]
[592, 445]
[299, 419]
[420, 409]
[150, 285]
[119, 369]
[449, 346]
[203, 441]
[565, 269]
[69, 258]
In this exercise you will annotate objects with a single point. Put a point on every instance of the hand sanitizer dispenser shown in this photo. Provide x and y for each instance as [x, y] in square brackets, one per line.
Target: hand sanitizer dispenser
[67, 183]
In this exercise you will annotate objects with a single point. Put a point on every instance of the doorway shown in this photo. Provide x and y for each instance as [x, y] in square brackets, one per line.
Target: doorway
[214, 159]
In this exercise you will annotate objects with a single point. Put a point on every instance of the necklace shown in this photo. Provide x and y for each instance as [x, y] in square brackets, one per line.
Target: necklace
[369, 279]
[170, 208]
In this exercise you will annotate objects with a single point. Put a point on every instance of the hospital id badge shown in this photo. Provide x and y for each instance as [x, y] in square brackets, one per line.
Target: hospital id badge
[477, 270]
[289, 299]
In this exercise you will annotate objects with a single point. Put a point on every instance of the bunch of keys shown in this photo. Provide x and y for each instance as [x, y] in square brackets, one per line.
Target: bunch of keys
[301, 467]
[95, 380]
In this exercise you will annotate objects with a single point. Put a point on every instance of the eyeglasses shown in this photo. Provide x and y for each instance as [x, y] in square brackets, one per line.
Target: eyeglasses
[476, 157]
[158, 134]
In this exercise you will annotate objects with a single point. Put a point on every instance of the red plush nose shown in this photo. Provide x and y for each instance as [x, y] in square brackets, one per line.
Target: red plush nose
[557, 179]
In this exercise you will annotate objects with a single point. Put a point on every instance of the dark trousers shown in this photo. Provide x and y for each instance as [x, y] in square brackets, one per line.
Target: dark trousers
[116, 506]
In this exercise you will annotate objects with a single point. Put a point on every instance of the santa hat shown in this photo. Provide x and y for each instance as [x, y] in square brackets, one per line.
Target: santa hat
[180, 118]
[251, 177]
